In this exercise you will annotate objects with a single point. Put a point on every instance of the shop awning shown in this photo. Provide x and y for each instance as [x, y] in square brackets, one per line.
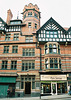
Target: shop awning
[7, 79]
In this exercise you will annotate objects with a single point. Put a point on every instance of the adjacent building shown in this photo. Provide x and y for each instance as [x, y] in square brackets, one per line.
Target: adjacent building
[34, 59]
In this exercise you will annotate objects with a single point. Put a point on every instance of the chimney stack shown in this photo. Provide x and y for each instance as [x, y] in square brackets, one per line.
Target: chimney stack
[9, 16]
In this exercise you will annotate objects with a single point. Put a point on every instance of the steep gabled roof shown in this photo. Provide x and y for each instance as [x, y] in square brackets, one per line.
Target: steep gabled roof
[2, 20]
[69, 29]
[53, 24]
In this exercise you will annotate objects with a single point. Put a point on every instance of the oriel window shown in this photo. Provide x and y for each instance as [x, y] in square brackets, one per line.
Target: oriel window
[53, 63]
[52, 48]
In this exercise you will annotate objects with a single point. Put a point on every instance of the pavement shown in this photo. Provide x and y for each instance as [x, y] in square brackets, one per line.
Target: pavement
[52, 97]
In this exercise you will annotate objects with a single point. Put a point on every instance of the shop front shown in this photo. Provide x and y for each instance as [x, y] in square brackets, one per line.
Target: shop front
[53, 84]
[5, 84]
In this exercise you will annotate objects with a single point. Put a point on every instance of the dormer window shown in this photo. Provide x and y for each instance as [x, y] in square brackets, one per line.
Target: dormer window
[15, 22]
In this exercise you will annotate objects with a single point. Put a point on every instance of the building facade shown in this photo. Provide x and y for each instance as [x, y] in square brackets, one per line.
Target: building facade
[34, 59]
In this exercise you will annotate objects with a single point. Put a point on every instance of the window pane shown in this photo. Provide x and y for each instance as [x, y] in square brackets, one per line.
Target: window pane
[51, 61]
[55, 61]
[29, 52]
[29, 39]
[50, 50]
[54, 45]
[16, 37]
[6, 49]
[33, 65]
[50, 45]
[28, 65]
[55, 65]
[13, 64]
[51, 65]
[46, 66]
[33, 85]
[29, 24]
[46, 61]
[22, 85]
[54, 50]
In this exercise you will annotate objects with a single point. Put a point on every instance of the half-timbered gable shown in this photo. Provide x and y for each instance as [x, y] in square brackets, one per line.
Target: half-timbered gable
[68, 36]
[2, 25]
[51, 31]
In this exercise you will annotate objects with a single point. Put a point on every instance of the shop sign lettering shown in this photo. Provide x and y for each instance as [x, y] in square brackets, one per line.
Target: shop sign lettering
[53, 77]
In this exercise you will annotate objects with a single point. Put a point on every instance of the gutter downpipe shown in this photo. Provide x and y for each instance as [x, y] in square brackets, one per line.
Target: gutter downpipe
[37, 46]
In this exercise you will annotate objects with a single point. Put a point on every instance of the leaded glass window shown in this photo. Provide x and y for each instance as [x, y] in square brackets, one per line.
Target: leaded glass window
[52, 48]
[13, 64]
[29, 24]
[27, 65]
[4, 64]
[35, 26]
[6, 49]
[7, 38]
[15, 49]
[29, 52]
[52, 34]
[29, 39]
[35, 15]
[29, 14]
[16, 37]
[53, 63]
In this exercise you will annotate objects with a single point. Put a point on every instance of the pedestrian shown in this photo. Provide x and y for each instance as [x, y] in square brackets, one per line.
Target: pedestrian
[8, 93]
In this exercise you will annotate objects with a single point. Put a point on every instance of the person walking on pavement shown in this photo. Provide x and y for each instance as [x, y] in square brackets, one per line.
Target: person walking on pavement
[8, 93]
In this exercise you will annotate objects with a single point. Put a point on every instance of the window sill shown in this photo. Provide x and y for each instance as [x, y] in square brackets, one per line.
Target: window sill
[3, 69]
[13, 69]
[28, 56]
[27, 70]
[53, 70]
[6, 53]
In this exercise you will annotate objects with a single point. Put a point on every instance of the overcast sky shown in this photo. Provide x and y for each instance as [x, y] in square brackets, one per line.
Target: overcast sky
[60, 10]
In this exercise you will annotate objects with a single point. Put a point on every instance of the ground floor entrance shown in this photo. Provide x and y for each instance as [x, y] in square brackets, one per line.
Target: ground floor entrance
[27, 87]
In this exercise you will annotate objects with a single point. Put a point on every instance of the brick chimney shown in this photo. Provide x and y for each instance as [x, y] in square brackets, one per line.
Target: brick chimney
[9, 16]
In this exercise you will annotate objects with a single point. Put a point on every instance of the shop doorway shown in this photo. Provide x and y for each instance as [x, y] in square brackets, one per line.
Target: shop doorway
[54, 88]
[27, 87]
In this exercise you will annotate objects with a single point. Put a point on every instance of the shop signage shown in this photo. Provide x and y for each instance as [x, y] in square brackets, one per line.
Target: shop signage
[53, 77]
